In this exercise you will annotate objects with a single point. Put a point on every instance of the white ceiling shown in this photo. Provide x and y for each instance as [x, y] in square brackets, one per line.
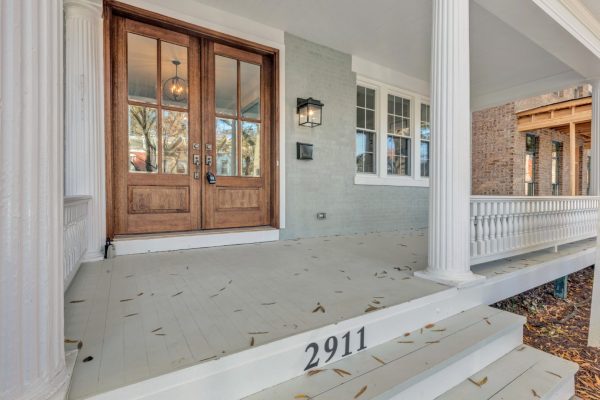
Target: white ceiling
[396, 34]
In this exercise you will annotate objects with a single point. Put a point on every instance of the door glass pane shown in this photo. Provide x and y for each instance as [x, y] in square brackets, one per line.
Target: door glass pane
[142, 139]
[226, 85]
[175, 142]
[226, 144]
[250, 90]
[250, 149]
[174, 71]
[142, 68]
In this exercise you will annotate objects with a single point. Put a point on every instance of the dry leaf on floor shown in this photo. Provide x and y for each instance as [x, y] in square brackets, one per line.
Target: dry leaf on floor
[252, 341]
[432, 342]
[130, 315]
[555, 374]
[88, 359]
[301, 396]
[71, 341]
[314, 372]
[537, 396]
[371, 308]
[319, 308]
[124, 300]
[341, 372]
[157, 329]
[257, 333]
[407, 334]
[429, 326]
[76, 301]
[487, 321]
[480, 382]
[360, 392]
[406, 341]
[378, 359]
[140, 293]
[177, 294]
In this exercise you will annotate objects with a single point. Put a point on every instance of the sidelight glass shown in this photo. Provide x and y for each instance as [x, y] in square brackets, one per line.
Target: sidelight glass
[250, 90]
[226, 85]
[250, 149]
[142, 138]
[175, 142]
[226, 143]
[142, 68]
[174, 74]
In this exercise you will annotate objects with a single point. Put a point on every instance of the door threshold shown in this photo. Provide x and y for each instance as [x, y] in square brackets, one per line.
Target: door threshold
[171, 241]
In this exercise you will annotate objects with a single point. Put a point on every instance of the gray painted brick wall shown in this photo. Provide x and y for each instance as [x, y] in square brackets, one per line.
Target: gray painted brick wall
[327, 182]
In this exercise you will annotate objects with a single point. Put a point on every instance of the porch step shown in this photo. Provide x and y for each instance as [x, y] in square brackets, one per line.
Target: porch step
[422, 364]
[524, 373]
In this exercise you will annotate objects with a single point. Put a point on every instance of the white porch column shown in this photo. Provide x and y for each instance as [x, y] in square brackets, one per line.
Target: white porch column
[594, 333]
[32, 356]
[449, 197]
[84, 127]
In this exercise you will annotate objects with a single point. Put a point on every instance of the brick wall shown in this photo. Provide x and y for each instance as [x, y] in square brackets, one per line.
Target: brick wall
[498, 156]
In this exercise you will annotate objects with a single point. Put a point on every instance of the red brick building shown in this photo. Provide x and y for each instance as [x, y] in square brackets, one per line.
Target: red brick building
[537, 146]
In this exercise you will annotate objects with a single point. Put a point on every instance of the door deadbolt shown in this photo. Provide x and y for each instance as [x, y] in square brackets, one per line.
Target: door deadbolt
[196, 159]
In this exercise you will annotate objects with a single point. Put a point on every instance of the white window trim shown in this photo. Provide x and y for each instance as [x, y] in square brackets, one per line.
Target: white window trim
[381, 177]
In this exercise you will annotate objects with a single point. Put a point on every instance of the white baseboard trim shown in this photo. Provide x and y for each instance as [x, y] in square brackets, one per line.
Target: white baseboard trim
[151, 243]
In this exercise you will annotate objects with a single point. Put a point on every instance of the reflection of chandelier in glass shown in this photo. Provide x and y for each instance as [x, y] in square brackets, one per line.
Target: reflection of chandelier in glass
[175, 88]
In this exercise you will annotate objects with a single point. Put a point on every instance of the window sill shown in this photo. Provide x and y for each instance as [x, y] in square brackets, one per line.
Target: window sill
[374, 180]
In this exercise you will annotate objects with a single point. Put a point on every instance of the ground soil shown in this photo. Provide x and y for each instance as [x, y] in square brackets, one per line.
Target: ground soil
[560, 327]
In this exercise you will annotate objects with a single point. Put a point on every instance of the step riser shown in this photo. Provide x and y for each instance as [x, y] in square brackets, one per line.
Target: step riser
[565, 391]
[459, 369]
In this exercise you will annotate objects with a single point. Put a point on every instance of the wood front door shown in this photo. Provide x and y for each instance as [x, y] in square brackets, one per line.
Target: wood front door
[186, 109]
[157, 115]
[237, 138]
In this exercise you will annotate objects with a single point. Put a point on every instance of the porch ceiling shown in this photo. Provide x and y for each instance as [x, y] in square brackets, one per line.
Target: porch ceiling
[505, 62]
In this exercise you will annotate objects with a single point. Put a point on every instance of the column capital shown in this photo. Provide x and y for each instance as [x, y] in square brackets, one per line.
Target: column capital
[83, 8]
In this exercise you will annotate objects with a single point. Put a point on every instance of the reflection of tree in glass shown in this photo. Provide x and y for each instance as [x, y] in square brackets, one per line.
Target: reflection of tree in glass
[250, 139]
[175, 142]
[225, 143]
[145, 127]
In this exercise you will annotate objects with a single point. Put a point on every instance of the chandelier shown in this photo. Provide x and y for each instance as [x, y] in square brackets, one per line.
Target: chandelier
[175, 88]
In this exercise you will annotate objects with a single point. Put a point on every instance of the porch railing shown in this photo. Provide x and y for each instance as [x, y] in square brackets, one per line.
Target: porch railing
[75, 234]
[505, 226]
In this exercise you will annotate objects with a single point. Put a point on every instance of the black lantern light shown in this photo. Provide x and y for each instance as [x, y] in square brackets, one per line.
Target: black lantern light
[175, 88]
[309, 112]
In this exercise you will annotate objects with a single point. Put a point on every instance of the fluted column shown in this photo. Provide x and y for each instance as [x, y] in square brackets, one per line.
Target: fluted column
[449, 197]
[594, 332]
[32, 358]
[84, 131]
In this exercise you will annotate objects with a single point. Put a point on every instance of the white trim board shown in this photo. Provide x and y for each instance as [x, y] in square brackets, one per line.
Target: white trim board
[267, 365]
[184, 241]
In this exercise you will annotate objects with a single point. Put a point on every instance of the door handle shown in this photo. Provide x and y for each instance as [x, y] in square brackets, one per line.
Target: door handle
[196, 160]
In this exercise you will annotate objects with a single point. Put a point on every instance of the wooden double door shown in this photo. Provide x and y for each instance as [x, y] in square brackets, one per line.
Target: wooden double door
[191, 132]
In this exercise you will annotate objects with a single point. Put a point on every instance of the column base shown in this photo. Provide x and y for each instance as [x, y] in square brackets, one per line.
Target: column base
[456, 280]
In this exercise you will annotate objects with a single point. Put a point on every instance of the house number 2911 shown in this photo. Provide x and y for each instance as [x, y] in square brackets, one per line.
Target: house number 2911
[331, 346]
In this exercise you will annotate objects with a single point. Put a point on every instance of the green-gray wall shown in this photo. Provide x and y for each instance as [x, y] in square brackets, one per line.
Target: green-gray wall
[327, 182]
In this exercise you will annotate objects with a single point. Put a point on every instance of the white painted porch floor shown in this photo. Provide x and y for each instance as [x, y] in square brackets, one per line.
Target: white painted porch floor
[146, 315]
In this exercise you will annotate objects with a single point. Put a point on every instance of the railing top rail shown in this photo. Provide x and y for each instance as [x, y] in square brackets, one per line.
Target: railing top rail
[533, 198]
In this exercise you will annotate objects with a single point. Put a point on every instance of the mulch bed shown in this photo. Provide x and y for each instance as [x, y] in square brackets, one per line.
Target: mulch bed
[560, 327]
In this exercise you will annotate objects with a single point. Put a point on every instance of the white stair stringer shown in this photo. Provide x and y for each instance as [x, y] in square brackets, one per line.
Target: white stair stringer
[421, 365]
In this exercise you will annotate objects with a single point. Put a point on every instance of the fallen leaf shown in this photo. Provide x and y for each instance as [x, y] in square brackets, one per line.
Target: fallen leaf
[429, 326]
[76, 301]
[314, 372]
[341, 372]
[252, 341]
[438, 330]
[267, 304]
[360, 392]
[535, 394]
[130, 315]
[124, 300]
[301, 396]
[479, 383]
[88, 359]
[406, 341]
[140, 293]
[160, 334]
[376, 302]
[555, 374]
[407, 334]
[257, 333]
[177, 294]
[157, 329]
[432, 342]
[371, 308]
[71, 341]
[487, 321]
[378, 359]
[319, 308]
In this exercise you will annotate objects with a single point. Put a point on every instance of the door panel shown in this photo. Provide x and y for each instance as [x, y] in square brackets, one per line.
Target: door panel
[237, 131]
[157, 121]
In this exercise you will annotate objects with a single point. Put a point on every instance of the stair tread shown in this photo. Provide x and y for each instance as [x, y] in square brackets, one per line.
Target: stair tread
[407, 358]
[524, 373]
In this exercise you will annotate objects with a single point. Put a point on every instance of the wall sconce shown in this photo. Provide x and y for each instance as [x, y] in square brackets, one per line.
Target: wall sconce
[309, 112]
